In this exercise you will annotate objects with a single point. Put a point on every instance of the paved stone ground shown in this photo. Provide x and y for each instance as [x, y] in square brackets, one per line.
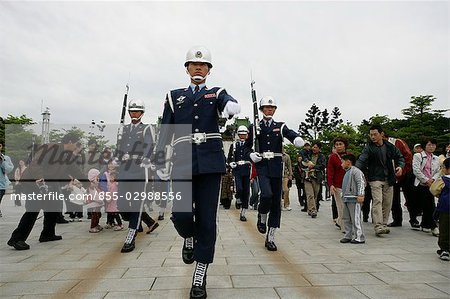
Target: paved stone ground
[310, 262]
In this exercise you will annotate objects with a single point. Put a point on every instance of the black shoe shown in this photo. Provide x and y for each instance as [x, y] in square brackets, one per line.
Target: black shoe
[415, 225]
[304, 209]
[198, 292]
[49, 238]
[128, 247]
[19, 245]
[140, 229]
[153, 227]
[357, 242]
[242, 218]
[238, 206]
[61, 221]
[187, 254]
[271, 246]
[365, 219]
[345, 240]
[394, 224]
[262, 228]
[161, 217]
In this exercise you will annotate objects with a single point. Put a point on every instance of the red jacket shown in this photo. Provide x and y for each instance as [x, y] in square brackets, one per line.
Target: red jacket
[335, 172]
[407, 154]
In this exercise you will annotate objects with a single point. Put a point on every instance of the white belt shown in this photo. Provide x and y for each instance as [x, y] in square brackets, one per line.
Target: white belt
[270, 155]
[242, 162]
[197, 138]
[127, 157]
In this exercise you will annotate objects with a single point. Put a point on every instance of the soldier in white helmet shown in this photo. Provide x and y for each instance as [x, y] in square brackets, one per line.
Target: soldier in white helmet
[134, 153]
[269, 166]
[199, 107]
[241, 165]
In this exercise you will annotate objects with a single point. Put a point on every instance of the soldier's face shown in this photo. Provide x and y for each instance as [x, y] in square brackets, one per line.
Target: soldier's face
[198, 69]
[269, 110]
[134, 115]
[242, 136]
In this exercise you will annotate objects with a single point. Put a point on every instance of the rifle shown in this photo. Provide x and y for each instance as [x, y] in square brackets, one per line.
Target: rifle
[256, 121]
[122, 119]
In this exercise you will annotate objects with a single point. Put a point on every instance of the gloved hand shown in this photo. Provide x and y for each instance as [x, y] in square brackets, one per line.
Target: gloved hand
[299, 142]
[163, 174]
[231, 108]
[256, 157]
[146, 163]
[233, 164]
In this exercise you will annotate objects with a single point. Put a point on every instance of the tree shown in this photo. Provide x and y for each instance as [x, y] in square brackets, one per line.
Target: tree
[419, 106]
[311, 126]
[17, 136]
[335, 118]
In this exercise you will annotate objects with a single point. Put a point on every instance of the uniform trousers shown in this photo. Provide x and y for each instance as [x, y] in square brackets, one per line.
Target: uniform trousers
[200, 223]
[270, 199]
[242, 189]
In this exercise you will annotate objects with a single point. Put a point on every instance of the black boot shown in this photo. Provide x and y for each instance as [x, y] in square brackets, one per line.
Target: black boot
[262, 228]
[187, 254]
[242, 216]
[270, 238]
[129, 244]
[198, 289]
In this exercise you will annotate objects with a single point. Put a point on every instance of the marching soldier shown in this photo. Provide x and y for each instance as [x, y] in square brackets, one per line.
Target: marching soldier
[241, 170]
[134, 152]
[194, 216]
[269, 166]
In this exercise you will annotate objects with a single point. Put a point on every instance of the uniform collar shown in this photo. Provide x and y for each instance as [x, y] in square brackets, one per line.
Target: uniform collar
[200, 86]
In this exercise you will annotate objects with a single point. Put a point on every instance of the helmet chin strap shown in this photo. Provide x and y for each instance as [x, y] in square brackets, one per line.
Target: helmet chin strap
[267, 116]
[197, 78]
[137, 118]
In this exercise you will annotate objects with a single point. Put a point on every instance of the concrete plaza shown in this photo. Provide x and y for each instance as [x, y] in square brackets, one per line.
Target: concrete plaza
[310, 261]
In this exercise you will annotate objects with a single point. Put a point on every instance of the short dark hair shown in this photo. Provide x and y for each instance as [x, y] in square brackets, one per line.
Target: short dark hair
[341, 139]
[318, 143]
[376, 127]
[92, 141]
[349, 157]
[425, 140]
[447, 163]
[70, 137]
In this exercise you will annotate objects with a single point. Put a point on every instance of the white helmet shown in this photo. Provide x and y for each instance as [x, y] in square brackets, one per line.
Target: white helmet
[267, 101]
[242, 130]
[198, 54]
[136, 105]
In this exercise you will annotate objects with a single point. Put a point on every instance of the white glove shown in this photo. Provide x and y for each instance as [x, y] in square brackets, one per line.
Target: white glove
[231, 108]
[233, 164]
[299, 142]
[163, 174]
[256, 157]
[147, 164]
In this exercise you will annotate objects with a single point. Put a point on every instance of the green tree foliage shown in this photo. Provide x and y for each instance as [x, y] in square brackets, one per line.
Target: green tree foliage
[317, 122]
[57, 135]
[17, 136]
[312, 125]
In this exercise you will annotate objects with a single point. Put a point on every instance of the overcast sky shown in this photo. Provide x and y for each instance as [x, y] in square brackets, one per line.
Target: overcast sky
[363, 57]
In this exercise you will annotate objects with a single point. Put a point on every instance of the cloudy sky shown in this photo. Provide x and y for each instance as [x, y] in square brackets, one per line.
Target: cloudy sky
[366, 58]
